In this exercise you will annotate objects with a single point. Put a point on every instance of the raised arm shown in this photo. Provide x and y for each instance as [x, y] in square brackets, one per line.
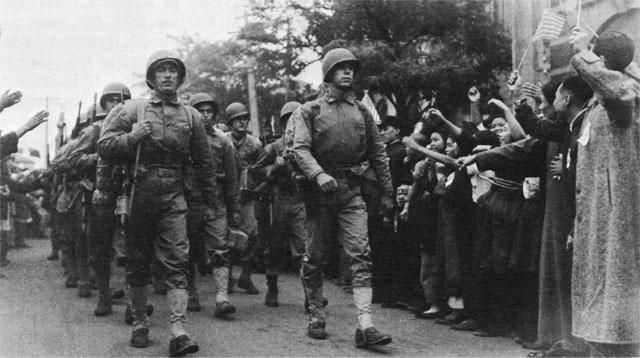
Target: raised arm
[619, 92]
[438, 157]
[516, 129]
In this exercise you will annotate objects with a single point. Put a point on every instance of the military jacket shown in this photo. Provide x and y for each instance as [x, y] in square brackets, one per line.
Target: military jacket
[178, 138]
[336, 132]
[247, 151]
[225, 166]
[266, 170]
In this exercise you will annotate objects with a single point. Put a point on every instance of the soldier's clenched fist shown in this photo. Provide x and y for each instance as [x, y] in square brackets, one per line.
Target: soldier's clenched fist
[326, 183]
[141, 129]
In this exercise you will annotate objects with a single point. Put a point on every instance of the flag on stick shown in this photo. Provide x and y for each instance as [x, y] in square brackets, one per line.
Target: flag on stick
[550, 26]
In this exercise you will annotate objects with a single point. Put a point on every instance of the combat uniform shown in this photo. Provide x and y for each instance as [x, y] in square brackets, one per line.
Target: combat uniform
[207, 227]
[287, 210]
[334, 135]
[248, 150]
[157, 223]
[70, 205]
[102, 221]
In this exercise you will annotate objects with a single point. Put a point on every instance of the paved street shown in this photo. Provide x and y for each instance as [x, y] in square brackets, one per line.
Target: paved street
[40, 317]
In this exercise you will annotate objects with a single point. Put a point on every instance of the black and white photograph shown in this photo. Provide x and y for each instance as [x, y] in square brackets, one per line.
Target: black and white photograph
[320, 178]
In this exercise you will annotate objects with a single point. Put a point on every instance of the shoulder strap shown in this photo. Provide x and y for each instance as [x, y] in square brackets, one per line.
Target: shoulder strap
[141, 111]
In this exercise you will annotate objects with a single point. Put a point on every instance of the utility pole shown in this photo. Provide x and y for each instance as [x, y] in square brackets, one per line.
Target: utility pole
[256, 128]
[46, 134]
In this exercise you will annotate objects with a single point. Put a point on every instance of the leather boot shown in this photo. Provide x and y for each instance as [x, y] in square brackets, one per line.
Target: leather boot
[371, 337]
[244, 281]
[316, 325]
[84, 289]
[103, 307]
[53, 256]
[271, 298]
[180, 344]
[140, 333]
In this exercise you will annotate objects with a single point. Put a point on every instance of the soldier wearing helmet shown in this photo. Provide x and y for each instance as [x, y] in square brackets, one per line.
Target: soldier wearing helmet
[207, 227]
[74, 203]
[113, 94]
[102, 223]
[275, 167]
[160, 139]
[248, 148]
[333, 135]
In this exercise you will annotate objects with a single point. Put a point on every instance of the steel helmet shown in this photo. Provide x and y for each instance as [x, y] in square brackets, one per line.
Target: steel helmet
[289, 108]
[336, 56]
[200, 98]
[114, 88]
[235, 110]
[161, 56]
[100, 113]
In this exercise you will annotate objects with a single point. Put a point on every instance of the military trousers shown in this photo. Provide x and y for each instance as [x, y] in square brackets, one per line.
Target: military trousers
[74, 245]
[207, 230]
[157, 229]
[341, 215]
[56, 233]
[249, 225]
[289, 216]
[102, 226]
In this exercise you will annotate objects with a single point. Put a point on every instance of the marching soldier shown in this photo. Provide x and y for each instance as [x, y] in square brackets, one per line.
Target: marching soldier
[159, 139]
[333, 135]
[71, 204]
[274, 167]
[207, 227]
[248, 149]
[108, 181]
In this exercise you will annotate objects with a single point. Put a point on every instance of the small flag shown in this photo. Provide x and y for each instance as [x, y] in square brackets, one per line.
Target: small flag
[366, 100]
[550, 26]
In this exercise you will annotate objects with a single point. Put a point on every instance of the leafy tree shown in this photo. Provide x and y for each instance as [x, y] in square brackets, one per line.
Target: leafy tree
[414, 45]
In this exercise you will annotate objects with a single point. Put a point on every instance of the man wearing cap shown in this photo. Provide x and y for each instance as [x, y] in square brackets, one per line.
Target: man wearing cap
[275, 168]
[159, 139]
[108, 183]
[248, 148]
[207, 227]
[333, 135]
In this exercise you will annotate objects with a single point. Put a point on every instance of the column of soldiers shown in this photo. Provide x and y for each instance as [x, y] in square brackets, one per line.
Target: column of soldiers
[185, 193]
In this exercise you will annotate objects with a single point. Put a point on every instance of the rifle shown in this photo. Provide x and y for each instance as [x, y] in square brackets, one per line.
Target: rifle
[95, 109]
[74, 132]
[123, 201]
[60, 136]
